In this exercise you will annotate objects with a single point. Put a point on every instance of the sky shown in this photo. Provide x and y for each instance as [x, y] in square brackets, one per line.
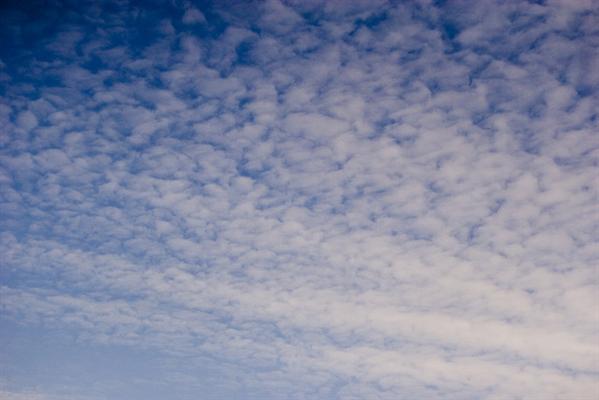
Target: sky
[299, 199]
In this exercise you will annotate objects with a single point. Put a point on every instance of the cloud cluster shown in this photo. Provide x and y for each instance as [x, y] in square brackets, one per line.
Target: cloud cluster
[333, 200]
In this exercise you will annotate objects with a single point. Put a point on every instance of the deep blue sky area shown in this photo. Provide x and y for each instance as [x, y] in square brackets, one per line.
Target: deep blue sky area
[299, 200]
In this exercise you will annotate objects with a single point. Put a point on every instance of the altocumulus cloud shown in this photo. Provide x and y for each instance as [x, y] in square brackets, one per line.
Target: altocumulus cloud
[299, 200]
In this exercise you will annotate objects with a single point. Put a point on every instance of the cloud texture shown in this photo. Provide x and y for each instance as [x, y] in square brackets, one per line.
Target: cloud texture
[314, 200]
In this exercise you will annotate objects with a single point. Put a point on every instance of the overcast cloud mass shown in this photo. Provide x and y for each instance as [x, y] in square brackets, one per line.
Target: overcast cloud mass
[299, 200]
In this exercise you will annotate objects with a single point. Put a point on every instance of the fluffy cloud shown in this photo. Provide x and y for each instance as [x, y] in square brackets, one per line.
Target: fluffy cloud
[341, 200]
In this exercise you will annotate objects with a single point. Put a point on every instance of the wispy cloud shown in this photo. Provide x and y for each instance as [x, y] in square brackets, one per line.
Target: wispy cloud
[325, 200]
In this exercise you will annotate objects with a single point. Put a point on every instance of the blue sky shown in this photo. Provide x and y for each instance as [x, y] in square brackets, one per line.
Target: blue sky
[299, 200]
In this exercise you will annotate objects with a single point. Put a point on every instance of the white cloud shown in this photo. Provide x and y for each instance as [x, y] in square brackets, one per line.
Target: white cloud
[27, 120]
[360, 207]
[193, 16]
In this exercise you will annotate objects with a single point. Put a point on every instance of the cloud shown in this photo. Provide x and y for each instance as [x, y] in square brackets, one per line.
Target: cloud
[27, 120]
[20, 396]
[316, 200]
[193, 16]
